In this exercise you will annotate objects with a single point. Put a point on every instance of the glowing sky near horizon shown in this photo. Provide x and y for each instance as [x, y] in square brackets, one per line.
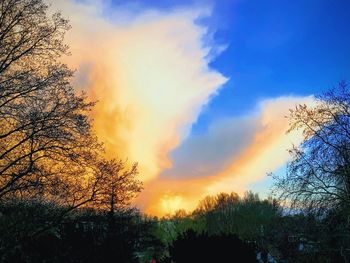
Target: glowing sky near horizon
[197, 92]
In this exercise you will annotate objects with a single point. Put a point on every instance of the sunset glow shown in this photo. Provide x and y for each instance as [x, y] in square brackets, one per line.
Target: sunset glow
[151, 75]
[174, 131]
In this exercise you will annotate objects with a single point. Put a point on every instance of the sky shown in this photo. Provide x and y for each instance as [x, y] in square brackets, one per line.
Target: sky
[197, 92]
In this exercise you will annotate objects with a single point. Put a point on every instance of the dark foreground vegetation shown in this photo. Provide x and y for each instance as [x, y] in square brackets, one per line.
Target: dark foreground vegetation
[222, 227]
[62, 200]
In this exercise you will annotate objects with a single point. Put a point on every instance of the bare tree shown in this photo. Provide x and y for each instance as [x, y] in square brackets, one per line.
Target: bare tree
[48, 152]
[46, 143]
[319, 174]
[119, 184]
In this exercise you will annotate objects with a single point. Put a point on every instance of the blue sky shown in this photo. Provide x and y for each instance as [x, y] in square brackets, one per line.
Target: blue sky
[278, 48]
[274, 48]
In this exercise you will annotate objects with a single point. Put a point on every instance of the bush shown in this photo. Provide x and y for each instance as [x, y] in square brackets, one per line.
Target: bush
[193, 247]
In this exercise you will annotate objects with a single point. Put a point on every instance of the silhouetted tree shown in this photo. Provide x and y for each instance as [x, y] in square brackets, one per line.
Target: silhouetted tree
[318, 176]
[119, 184]
[45, 136]
[50, 161]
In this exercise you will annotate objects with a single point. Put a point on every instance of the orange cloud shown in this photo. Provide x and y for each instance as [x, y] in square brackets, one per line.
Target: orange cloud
[264, 153]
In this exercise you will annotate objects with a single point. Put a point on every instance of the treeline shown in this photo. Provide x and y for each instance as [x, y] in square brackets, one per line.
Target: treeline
[266, 227]
[222, 227]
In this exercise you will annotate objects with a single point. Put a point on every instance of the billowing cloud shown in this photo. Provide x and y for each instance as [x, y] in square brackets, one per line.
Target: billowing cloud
[149, 74]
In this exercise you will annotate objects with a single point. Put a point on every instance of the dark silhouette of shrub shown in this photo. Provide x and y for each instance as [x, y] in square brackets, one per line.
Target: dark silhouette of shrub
[194, 247]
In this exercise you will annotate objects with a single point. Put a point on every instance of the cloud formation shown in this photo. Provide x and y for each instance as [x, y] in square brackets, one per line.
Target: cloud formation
[217, 162]
[149, 73]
